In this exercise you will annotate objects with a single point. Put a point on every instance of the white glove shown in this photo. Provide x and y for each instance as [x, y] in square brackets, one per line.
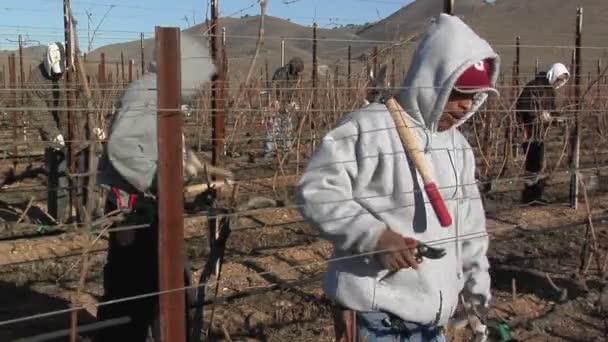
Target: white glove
[99, 133]
[59, 140]
[545, 116]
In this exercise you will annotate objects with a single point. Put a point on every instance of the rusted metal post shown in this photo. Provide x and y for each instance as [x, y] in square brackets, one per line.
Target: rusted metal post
[170, 185]
[141, 50]
[449, 7]
[576, 136]
[131, 62]
[218, 118]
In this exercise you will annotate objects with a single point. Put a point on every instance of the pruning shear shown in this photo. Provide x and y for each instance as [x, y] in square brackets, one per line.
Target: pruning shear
[423, 251]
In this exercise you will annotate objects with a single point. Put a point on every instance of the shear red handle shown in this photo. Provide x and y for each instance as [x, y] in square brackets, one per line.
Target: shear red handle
[438, 204]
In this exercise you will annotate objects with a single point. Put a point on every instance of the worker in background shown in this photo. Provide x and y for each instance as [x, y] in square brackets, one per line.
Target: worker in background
[128, 171]
[362, 191]
[283, 108]
[535, 106]
[46, 96]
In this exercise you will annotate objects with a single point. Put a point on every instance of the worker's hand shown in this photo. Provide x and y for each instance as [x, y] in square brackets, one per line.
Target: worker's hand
[395, 251]
[545, 116]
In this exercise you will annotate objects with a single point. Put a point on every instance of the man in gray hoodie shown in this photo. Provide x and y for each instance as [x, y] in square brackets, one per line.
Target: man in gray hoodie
[128, 171]
[364, 194]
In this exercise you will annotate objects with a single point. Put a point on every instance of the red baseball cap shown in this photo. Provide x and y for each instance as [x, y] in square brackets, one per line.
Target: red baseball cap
[477, 78]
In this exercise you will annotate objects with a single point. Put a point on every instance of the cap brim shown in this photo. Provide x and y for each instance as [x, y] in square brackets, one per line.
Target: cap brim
[477, 90]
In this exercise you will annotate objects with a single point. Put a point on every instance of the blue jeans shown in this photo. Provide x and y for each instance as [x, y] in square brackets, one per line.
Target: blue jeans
[380, 327]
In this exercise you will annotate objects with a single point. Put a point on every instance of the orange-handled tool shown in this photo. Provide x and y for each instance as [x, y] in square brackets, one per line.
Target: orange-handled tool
[410, 144]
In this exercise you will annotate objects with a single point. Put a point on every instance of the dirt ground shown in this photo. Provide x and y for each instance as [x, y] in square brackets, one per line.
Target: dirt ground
[532, 248]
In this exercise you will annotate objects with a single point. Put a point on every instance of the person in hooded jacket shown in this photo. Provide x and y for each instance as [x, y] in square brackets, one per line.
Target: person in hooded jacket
[46, 95]
[363, 193]
[280, 124]
[535, 106]
[128, 172]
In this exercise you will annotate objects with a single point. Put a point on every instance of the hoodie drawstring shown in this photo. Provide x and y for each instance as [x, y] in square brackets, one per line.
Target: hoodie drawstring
[457, 214]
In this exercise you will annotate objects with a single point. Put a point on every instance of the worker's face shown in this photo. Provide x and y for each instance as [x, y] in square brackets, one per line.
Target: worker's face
[560, 81]
[458, 106]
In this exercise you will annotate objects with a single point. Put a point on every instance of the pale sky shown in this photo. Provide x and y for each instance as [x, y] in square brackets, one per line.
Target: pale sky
[42, 20]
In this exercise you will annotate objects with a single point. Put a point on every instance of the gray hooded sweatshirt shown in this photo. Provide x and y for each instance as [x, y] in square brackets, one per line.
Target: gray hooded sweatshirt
[360, 182]
[131, 157]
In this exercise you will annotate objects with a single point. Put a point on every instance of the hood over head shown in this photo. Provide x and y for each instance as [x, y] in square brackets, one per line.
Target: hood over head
[554, 72]
[55, 59]
[196, 63]
[447, 50]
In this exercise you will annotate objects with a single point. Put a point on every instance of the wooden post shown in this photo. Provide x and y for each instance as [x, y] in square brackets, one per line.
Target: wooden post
[599, 79]
[393, 78]
[122, 67]
[12, 83]
[535, 67]
[141, 51]
[375, 61]
[218, 119]
[349, 71]
[516, 72]
[131, 62]
[576, 135]
[314, 86]
[282, 52]
[22, 86]
[570, 90]
[71, 101]
[268, 82]
[102, 75]
[21, 69]
[170, 186]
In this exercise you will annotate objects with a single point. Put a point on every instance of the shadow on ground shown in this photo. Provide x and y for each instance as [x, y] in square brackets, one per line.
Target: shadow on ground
[20, 301]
